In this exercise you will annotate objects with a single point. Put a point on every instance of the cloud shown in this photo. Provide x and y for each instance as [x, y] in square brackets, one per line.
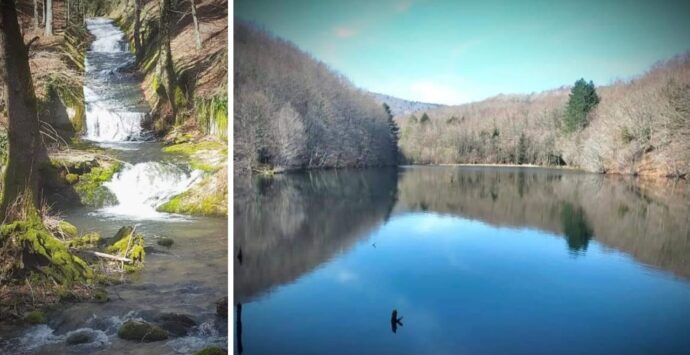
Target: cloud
[344, 32]
[432, 92]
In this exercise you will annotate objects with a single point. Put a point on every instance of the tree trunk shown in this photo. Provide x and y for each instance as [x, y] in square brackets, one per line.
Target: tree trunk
[26, 152]
[137, 30]
[67, 9]
[196, 25]
[43, 12]
[49, 17]
[166, 71]
[35, 15]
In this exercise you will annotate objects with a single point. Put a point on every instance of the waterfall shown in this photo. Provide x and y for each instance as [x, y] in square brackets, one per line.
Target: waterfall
[114, 108]
[142, 187]
[115, 113]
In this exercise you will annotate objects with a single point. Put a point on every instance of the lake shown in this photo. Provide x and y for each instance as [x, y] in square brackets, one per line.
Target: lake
[475, 260]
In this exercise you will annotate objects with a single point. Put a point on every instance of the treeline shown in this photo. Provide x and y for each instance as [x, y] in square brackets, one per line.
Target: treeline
[293, 112]
[640, 126]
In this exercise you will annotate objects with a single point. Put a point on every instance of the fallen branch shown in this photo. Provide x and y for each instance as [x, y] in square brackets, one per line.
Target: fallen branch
[109, 256]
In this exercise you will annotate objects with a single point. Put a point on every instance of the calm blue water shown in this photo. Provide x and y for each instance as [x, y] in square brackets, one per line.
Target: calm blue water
[476, 261]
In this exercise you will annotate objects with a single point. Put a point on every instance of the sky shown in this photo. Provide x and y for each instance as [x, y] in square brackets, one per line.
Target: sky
[453, 52]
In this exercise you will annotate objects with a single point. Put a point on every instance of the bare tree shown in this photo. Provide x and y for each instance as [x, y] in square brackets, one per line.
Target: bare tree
[49, 17]
[196, 24]
[36, 15]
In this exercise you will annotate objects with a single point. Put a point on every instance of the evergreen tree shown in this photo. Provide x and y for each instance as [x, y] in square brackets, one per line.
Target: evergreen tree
[394, 129]
[583, 98]
[424, 119]
[522, 150]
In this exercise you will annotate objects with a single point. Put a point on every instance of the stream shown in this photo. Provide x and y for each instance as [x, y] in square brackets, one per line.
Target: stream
[185, 279]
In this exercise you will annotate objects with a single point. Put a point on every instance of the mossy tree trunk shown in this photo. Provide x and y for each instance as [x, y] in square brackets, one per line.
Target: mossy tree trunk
[26, 151]
[165, 70]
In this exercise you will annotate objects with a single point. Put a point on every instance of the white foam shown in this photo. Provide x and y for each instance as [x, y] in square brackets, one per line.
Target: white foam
[142, 187]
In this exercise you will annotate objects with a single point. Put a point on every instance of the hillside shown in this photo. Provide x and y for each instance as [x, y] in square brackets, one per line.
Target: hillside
[293, 112]
[403, 107]
[640, 127]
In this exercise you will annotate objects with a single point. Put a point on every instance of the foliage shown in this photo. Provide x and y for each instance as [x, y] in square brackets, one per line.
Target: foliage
[583, 98]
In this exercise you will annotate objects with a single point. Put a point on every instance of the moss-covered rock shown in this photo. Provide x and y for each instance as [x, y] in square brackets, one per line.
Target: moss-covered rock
[141, 331]
[165, 242]
[211, 350]
[90, 186]
[36, 317]
[36, 250]
[100, 296]
[208, 156]
[207, 198]
[68, 229]
[81, 336]
[129, 244]
[86, 240]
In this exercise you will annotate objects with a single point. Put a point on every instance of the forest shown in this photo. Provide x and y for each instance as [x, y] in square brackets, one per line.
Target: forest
[638, 126]
[294, 112]
[48, 167]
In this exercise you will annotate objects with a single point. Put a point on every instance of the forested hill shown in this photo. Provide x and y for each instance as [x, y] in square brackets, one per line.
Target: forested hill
[403, 107]
[639, 126]
[293, 112]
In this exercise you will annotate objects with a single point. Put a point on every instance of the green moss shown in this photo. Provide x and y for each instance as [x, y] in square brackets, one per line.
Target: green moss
[87, 240]
[208, 156]
[141, 332]
[44, 253]
[130, 245]
[71, 178]
[90, 186]
[212, 115]
[68, 229]
[208, 206]
[211, 350]
[36, 317]
[180, 99]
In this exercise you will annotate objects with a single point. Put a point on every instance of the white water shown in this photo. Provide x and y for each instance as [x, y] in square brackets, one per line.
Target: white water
[114, 115]
[109, 118]
[142, 187]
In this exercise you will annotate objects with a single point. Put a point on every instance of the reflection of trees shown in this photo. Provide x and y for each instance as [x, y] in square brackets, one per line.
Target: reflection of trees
[289, 224]
[575, 227]
[652, 223]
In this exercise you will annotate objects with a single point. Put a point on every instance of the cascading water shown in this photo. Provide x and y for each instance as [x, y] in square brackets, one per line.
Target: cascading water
[115, 112]
[142, 187]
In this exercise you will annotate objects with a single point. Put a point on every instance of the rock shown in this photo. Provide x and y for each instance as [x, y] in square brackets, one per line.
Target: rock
[141, 331]
[211, 350]
[165, 242]
[36, 317]
[68, 229]
[222, 307]
[176, 324]
[100, 296]
[80, 336]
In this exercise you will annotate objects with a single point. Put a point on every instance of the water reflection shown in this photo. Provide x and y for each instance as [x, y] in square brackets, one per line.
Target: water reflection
[289, 224]
[489, 247]
[650, 222]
